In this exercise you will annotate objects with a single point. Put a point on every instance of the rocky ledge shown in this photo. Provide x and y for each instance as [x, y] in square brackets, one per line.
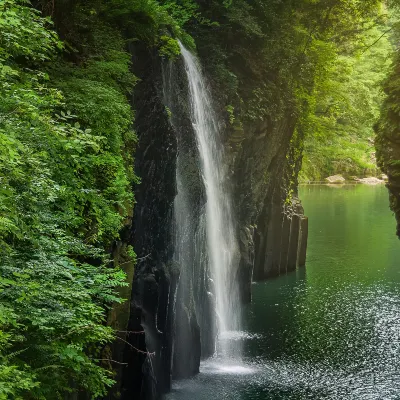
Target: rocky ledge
[370, 180]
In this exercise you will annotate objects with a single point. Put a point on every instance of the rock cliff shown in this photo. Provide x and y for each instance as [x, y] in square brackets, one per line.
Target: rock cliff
[387, 142]
[171, 327]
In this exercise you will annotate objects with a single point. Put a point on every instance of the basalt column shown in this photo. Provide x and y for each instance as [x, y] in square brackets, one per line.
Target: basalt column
[148, 351]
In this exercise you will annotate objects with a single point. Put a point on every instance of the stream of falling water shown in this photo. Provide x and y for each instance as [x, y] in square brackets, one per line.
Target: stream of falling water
[221, 241]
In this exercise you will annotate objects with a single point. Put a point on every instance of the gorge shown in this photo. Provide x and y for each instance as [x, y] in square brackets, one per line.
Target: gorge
[189, 304]
[150, 158]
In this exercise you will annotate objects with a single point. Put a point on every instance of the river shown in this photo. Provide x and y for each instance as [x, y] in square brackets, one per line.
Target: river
[327, 331]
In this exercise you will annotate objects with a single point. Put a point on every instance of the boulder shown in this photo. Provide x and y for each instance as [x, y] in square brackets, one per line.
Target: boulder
[335, 179]
[371, 180]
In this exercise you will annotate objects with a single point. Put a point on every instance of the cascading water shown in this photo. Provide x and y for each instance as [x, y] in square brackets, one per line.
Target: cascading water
[220, 230]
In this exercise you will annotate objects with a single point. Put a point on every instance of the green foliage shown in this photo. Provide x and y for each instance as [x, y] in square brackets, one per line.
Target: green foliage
[67, 146]
[65, 194]
[66, 171]
[296, 68]
[182, 11]
[266, 57]
[169, 47]
[24, 33]
[152, 21]
[231, 111]
[340, 138]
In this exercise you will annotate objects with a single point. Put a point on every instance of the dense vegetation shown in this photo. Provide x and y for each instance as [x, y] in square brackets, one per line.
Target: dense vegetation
[66, 149]
[67, 146]
[320, 62]
[66, 173]
[340, 137]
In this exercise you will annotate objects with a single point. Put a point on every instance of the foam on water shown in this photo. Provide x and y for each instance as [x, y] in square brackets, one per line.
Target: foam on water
[238, 335]
[226, 367]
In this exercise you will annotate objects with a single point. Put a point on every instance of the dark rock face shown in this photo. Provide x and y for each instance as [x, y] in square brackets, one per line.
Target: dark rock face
[282, 248]
[172, 320]
[148, 352]
[388, 153]
[394, 192]
[261, 166]
[303, 241]
[387, 141]
[194, 328]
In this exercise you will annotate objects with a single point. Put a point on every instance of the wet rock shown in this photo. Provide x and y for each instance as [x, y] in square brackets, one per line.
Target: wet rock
[246, 248]
[294, 243]
[371, 181]
[187, 352]
[285, 241]
[283, 247]
[194, 328]
[303, 241]
[274, 240]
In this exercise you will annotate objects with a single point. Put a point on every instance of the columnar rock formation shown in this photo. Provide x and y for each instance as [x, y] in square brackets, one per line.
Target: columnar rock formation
[170, 329]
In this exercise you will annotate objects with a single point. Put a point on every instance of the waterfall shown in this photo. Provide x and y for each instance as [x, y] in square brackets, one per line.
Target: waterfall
[220, 229]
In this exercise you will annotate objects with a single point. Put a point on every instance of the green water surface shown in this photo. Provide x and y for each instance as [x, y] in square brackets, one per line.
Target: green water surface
[327, 331]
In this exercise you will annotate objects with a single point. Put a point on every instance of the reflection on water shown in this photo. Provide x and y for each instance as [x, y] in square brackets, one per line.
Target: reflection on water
[330, 331]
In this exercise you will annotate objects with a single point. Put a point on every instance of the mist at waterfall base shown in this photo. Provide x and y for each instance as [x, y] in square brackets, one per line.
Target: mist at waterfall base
[331, 330]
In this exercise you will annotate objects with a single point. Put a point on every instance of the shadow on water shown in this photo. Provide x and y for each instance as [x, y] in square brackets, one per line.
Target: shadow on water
[330, 331]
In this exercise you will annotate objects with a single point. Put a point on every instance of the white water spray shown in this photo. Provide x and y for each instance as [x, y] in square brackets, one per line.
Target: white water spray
[221, 240]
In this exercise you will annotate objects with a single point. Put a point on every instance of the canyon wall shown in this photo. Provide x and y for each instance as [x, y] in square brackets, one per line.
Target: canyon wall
[387, 141]
[169, 321]
[128, 177]
[172, 320]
